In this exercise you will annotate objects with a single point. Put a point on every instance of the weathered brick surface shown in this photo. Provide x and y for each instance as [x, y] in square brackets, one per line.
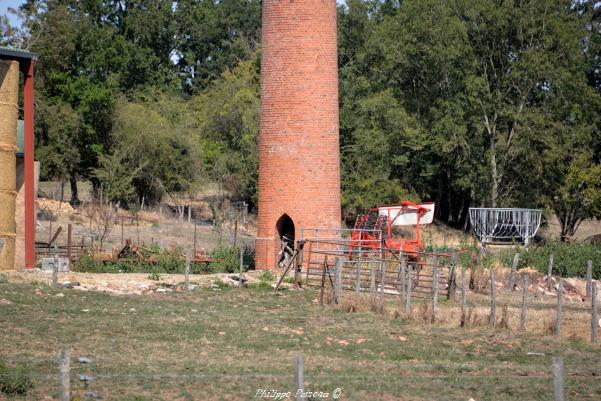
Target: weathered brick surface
[299, 169]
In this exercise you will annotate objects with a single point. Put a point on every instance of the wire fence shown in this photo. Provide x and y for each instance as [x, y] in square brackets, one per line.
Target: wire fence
[76, 377]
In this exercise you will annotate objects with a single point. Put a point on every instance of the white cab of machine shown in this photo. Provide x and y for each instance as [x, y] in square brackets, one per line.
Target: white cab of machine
[401, 215]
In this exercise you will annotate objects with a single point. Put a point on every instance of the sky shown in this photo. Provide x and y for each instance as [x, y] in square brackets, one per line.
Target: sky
[5, 4]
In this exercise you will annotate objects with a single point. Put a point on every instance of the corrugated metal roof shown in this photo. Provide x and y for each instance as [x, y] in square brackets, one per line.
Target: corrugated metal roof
[7, 52]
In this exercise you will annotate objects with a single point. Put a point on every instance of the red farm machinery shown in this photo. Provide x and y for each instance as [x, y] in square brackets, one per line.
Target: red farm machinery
[374, 230]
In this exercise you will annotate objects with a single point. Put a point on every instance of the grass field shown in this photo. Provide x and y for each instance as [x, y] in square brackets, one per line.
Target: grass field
[226, 343]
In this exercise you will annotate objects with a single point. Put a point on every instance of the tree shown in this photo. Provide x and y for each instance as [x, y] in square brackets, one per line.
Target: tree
[228, 118]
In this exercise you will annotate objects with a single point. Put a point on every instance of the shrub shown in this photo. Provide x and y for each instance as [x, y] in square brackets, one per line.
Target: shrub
[569, 260]
[227, 259]
[15, 381]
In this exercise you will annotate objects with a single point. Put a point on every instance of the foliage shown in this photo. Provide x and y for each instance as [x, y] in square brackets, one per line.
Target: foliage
[466, 103]
[15, 380]
[267, 277]
[569, 260]
[226, 259]
[166, 262]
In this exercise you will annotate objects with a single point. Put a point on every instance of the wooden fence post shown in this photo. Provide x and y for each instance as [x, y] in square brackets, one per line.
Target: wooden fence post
[55, 268]
[589, 278]
[524, 304]
[493, 299]
[358, 278]
[473, 269]
[69, 243]
[559, 305]
[299, 264]
[452, 279]
[594, 319]
[403, 269]
[372, 288]
[463, 297]
[558, 379]
[337, 279]
[299, 378]
[382, 275]
[549, 273]
[514, 266]
[408, 292]
[240, 282]
[323, 280]
[64, 392]
[434, 287]
[187, 272]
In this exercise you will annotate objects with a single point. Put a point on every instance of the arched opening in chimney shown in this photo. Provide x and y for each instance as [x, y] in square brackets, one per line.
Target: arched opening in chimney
[285, 229]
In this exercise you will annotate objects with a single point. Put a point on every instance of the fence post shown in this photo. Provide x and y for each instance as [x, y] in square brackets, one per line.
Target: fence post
[194, 248]
[514, 266]
[187, 272]
[299, 378]
[358, 279]
[594, 319]
[493, 299]
[402, 269]
[55, 268]
[64, 390]
[434, 286]
[240, 282]
[559, 304]
[69, 242]
[589, 278]
[337, 279]
[558, 378]
[549, 273]
[524, 304]
[382, 275]
[299, 264]
[323, 280]
[372, 287]
[473, 269]
[463, 298]
[452, 279]
[408, 292]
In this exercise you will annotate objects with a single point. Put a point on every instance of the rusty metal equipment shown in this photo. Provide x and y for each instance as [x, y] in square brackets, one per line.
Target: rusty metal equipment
[376, 226]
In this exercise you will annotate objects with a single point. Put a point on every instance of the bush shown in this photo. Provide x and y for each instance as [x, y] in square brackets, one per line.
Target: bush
[15, 381]
[569, 260]
[165, 262]
[227, 259]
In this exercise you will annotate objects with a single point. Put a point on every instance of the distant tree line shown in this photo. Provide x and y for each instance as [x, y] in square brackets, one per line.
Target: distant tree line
[464, 102]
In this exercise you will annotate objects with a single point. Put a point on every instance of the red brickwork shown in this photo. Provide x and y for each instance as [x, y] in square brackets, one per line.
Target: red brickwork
[299, 168]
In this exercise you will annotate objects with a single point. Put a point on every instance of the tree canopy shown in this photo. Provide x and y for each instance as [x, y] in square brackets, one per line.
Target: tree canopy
[463, 102]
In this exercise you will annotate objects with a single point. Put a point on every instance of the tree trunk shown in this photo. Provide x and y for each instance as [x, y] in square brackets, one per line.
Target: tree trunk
[494, 175]
[74, 194]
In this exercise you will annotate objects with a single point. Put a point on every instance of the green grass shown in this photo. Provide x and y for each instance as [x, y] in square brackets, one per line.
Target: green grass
[225, 343]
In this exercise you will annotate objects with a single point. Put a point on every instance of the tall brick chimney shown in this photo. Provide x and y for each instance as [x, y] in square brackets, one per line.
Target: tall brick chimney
[299, 157]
